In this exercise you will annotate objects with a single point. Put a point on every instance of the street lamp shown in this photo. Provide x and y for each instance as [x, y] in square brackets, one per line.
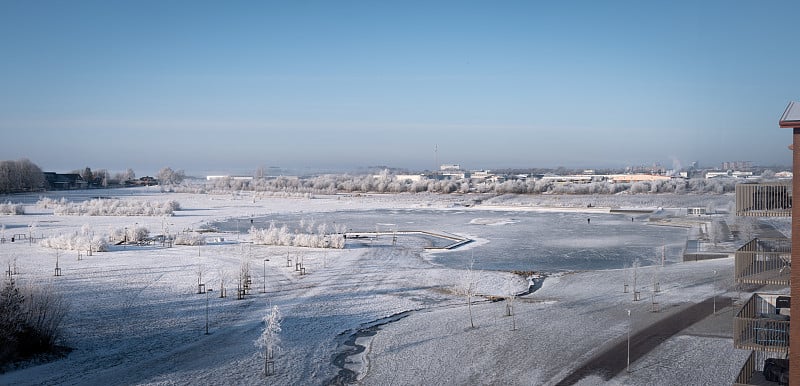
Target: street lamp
[629, 341]
[714, 290]
[207, 291]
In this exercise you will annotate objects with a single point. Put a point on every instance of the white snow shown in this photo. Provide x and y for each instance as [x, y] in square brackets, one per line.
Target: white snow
[136, 317]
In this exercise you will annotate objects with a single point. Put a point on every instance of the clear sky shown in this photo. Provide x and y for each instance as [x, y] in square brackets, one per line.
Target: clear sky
[233, 85]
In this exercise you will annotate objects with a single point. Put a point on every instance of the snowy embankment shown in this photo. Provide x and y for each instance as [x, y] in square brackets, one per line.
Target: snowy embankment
[136, 316]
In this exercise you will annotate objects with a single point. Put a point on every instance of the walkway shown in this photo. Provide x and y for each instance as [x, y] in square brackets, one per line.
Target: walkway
[457, 241]
[612, 361]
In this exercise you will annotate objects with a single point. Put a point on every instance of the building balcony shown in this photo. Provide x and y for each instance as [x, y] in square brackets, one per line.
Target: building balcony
[752, 373]
[762, 324]
[764, 261]
[764, 199]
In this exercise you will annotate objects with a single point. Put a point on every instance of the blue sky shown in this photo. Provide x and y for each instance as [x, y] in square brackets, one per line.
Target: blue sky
[229, 86]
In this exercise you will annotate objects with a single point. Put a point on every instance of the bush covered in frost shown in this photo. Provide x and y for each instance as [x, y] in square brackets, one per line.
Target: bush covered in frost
[9, 208]
[110, 207]
[133, 234]
[300, 238]
[187, 238]
[78, 241]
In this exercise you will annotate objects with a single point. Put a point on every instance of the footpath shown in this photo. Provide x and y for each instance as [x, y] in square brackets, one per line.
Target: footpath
[614, 360]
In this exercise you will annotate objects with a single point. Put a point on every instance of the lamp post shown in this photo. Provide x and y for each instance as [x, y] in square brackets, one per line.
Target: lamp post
[713, 285]
[629, 341]
[207, 291]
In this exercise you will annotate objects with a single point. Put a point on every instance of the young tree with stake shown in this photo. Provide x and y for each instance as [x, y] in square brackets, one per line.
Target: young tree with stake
[269, 339]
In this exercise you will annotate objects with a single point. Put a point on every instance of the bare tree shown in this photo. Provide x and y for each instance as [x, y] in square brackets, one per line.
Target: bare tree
[511, 295]
[468, 286]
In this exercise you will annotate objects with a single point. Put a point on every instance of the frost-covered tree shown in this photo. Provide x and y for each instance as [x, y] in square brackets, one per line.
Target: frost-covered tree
[167, 176]
[468, 286]
[716, 232]
[269, 340]
[133, 234]
[511, 295]
[747, 228]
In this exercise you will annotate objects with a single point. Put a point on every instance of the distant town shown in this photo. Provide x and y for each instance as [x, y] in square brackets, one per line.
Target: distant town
[24, 176]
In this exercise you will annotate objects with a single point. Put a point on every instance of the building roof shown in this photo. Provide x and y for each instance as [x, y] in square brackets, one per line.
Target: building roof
[791, 117]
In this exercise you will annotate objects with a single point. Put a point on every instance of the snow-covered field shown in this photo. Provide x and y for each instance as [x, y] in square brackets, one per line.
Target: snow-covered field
[136, 317]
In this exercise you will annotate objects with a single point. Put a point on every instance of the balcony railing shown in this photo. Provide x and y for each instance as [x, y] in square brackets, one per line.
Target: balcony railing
[764, 261]
[752, 373]
[764, 199]
[762, 324]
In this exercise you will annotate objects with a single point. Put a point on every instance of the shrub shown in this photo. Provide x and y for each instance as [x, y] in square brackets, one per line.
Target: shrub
[110, 207]
[282, 236]
[189, 239]
[78, 241]
[134, 234]
[14, 209]
[30, 321]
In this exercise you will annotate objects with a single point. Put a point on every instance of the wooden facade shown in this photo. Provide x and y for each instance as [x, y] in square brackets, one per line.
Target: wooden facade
[764, 199]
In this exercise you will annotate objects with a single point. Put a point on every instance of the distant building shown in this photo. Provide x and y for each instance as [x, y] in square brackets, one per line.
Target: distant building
[407, 177]
[58, 181]
[143, 181]
[695, 211]
[631, 178]
[576, 179]
[729, 173]
[737, 165]
[238, 178]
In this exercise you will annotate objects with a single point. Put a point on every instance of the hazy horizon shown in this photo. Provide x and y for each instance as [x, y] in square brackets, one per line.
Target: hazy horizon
[207, 86]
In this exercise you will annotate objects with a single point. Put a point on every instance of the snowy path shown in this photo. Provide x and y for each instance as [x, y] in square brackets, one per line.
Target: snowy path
[609, 363]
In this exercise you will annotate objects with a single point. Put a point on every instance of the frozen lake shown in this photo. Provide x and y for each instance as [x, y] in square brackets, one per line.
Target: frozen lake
[526, 241]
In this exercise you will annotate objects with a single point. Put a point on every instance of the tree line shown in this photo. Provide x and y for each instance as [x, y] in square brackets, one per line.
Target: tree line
[387, 183]
[25, 176]
[20, 176]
